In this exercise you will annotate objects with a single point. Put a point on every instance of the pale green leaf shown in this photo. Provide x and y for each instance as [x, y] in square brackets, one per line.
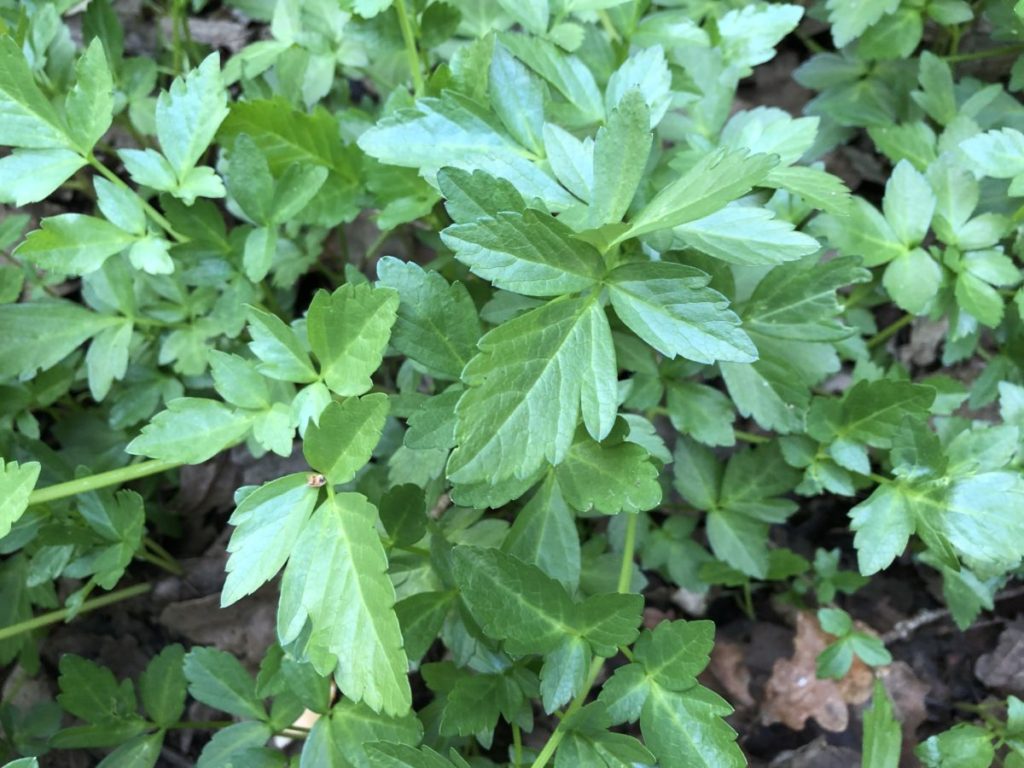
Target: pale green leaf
[715, 180]
[348, 332]
[162, 686]
[882, 735]
[30, 175]
[849, 18]
[90, 103]
[40, 334]
[141, 751]
[437, 323]
[218, 679]
[913, 279]
[341, 443]
[191, 430]
[525, 386]
[107, 358]
[620, 157]
[512, 600]
[746, 234]
[267, 524]
[608, 478]
[278, 349]
[530, 253]
[73, 244]
[517, 98]
[16, 484]
[336, 585]
[909, 204]
[231, 743]
[996, 153]
[189, 114]
[671, 308]
[27, 118]
[688, 730]
[544, 534]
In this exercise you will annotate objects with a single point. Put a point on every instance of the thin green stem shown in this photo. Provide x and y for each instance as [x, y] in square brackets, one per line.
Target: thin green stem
[750, 437]
[628, 548]
[157, 217]
[625, 578]
[408, 36]
[990, 53]
[609, 27]
[157, 549]
[517, 746]
[159, 562]
[101, 480]
[890, 330]
[55, 617]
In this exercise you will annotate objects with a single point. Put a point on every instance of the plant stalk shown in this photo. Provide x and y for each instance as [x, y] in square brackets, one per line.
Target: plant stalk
[101, 480]
[55, 617]
[625, 577]
[157, 217]
[405, 23]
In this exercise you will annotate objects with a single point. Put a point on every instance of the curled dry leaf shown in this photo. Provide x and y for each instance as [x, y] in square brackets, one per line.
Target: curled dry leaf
[794, 693]
[730, 670]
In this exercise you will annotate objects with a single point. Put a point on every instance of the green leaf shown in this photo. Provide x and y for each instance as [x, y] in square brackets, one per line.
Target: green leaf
[564, 672]
[849, 18]
[437, 323]
[530, 253]
[685, 730]
[997, 153]
[421, 617]
[30, 175]
[611, 620]
[517, 98]
[716, 179]
[218, 679]
[620, 157]
[873, 411]
[237, 381]
[384, 755]
[348, 332]
[909, 204]
[675, 652]
[746, 234]
[671, 308]
[230, 743]
[343, 440]
[346, 737]
[336, 584]
[608, 478]
[267, 524]
[512, 600]
[912, 280]
[544, 534]
[188, 115]
[91, 692]
[142, 751]
[107, 358]
[40, 334]
[249, 180]
[566, 73]
[73, 244]
[740, 541]
[937, 96]
[278, 349]
[90, 104]
[509, 423]
[883, 524]
[27, 118]
[16, 484]
[962, 746]
[403, 514]
[454, 131]
[163, 686]
[799, 301]
[191, 430]
[698, 475]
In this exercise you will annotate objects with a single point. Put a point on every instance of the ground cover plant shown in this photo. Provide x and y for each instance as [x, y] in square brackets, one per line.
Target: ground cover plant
[412, 384]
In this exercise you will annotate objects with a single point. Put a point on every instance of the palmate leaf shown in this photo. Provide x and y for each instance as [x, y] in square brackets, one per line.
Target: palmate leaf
[189, 114]
[74, 244]
[341, 443]
[337, 605]
[526, 388]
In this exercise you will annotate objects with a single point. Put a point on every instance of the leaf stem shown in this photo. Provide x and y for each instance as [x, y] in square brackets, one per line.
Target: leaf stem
[890, 330]
[157, 217]
[55, 617]
[609, 27]
[517, 746]
[101, 480]
[158, 561]
[750, 437]
[625, 577]
[1006, 50]
[410, 46]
